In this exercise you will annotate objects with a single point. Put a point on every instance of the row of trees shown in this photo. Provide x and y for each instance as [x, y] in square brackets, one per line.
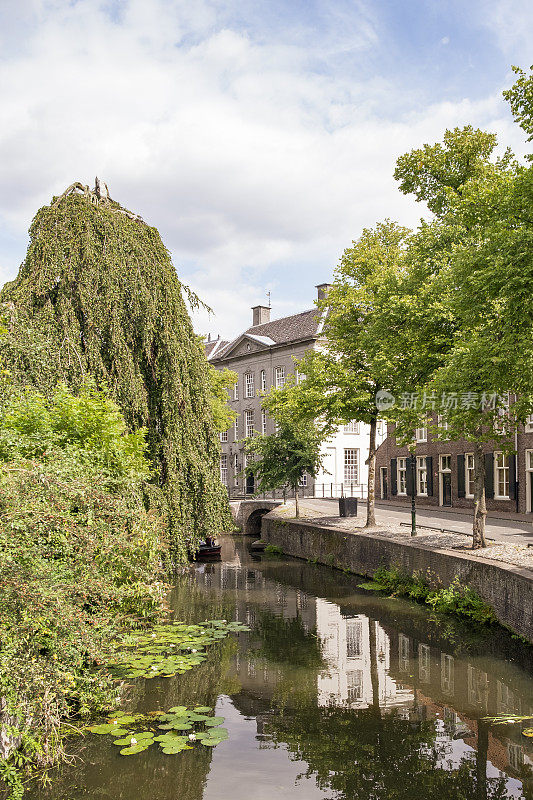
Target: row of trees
[443, 311]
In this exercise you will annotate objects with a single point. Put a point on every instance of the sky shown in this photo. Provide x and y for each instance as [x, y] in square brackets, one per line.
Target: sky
[258, 136]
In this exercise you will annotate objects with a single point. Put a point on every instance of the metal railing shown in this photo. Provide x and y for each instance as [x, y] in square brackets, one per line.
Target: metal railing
[336, 490]
[317, 491]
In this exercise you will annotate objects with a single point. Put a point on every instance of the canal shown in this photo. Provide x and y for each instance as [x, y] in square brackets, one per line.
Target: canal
[335, 693]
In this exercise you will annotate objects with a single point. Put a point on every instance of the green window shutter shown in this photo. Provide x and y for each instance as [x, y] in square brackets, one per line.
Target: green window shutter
[429, 467]
[512, 477]
[461, 489]
[489, 474]
[393, 476]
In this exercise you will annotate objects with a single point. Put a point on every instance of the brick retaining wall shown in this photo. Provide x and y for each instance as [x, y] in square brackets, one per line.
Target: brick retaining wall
[508, 589]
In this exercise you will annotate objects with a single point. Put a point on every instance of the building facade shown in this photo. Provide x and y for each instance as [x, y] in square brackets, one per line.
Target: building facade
[444, 474]
[264, 356]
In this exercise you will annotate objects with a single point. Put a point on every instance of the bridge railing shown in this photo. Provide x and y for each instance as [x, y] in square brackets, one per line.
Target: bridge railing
[317, 491]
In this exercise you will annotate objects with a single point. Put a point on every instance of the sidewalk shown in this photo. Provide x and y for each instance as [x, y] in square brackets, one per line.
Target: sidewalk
[507, 531]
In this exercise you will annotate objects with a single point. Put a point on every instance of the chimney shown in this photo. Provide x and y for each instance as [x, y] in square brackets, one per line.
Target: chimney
[323, 289]
[261, 314]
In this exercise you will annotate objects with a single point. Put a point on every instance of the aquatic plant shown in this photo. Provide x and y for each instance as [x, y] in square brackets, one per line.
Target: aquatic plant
[167, 650]
[184, 729]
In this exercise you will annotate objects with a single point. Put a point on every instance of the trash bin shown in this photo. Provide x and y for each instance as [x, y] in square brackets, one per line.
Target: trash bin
[347, 506]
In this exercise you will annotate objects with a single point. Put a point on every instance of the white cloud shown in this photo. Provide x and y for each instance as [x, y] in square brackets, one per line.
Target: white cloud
[257, 167]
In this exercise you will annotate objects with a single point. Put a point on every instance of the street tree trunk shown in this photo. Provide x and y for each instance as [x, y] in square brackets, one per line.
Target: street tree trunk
[480, 506]
[297, 502]
[371, 489]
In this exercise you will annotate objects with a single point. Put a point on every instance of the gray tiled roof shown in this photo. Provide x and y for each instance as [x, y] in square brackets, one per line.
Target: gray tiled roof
[217, 344]
[289, 329]
[298, 327]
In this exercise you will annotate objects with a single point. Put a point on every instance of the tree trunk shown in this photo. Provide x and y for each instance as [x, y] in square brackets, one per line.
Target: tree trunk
[297, 502]
[480, 506]
[371, 490]
[374, 674]
[481, 759]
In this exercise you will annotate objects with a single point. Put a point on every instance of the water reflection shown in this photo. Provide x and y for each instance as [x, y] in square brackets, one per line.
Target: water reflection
[333, 694]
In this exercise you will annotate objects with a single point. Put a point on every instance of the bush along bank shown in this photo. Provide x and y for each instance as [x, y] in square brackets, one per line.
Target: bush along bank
[80, 566]
[455, 599]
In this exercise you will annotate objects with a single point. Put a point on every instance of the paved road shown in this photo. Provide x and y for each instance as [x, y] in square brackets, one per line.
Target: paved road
[502, 530]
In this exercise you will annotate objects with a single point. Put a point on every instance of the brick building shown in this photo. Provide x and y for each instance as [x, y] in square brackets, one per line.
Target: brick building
[445, 472]
[264, 356]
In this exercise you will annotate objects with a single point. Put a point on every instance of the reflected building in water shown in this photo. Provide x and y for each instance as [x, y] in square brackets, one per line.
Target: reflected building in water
[347, 643]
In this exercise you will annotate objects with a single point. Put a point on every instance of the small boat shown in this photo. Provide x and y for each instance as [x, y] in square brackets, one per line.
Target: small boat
[207, 549]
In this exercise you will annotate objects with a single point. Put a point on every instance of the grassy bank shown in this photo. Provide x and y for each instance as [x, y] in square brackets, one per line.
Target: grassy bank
[80, 565]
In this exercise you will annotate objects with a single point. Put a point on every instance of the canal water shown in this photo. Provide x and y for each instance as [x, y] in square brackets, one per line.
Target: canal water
[335, 694]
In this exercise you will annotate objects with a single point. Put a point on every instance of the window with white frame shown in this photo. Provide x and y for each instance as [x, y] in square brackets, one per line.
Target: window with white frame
[501, 475]
[263, 422]
[469, 474]
[446, 463]
[263, 381]
[351, 465]
[249, 390]
[236, 390]
[300, 376]
[354, 685]
[354, 638]
[248, 424]
[224, 436]
[401, 468]
[224, 469]
[421, 434]
[352, 427]
[236, 428]
[443, 426]
[303, 480]
[280, 377]
[421, 475]
[381, 427]
[236, 469]
[529, 423]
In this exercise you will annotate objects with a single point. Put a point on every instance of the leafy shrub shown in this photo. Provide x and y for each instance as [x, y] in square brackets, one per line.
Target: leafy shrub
[80, 559]
[455, 599]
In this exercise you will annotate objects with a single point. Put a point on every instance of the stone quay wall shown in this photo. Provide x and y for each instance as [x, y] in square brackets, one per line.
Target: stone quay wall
[507, 589]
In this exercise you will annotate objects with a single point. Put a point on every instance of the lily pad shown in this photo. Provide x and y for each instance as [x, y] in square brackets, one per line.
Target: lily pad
[211, 722]
[199, 709]
[109, 728]
[137, 748]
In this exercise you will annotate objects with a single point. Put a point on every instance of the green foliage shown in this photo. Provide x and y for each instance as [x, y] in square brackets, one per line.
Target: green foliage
[284, 457]
[520, 98]
[455, 599]
[273, 550]
[89, 425]
[437, 173]
[220, 381]
[80, 559]
[101, 291]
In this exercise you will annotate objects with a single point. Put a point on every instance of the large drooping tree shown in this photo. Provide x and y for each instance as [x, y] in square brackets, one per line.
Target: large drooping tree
[99, 283]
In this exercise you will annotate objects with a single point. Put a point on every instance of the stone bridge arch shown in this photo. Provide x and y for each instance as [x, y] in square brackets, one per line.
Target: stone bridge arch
[249, 513]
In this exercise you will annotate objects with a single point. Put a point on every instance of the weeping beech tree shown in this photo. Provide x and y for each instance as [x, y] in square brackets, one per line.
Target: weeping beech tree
[99, 284]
